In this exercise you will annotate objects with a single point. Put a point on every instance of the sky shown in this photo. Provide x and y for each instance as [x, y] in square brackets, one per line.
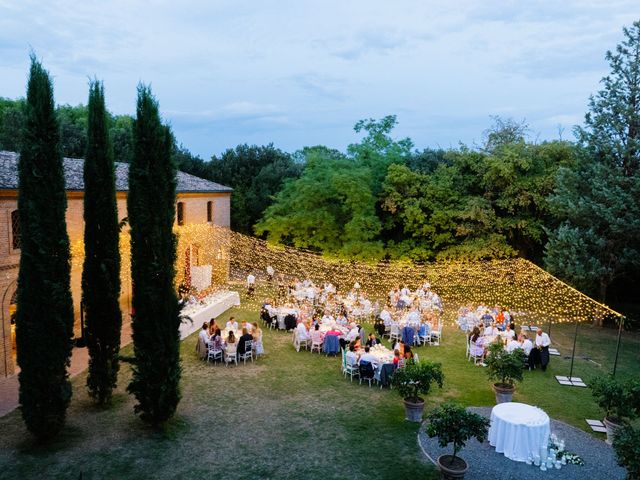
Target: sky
[302, 73]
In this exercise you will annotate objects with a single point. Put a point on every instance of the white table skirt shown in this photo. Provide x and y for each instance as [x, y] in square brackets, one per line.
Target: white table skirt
[518, 430]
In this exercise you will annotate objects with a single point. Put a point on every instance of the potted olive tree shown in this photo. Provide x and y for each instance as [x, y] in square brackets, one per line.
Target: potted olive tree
[452, 423]
[413, 380]
[504, 368]
[619, 400]
[627, 447]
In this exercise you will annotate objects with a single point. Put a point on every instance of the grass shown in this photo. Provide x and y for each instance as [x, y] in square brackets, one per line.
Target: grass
[289, 415]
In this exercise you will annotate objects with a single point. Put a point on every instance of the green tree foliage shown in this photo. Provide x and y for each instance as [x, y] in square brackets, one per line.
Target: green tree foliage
[255, 173]
[332, 207]
[11, 123]
[101, 270]
[597, 239]
[151, 208]
[44, 324]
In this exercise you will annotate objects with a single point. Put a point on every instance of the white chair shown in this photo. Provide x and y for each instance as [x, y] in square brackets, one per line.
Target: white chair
[248, 352]
[436, 335]
[316, 345]
[416, 358]
[394, 333]
[230, 355]
[299, 343]
[468, 348]
[213, 355]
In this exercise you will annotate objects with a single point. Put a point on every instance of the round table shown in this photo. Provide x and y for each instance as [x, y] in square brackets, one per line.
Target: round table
[518, 430]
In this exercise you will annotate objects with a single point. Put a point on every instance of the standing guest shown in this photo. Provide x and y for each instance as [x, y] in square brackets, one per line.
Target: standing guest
[246, 337]
[232, 324]
[251, 284]
[270, 272]
[541, 354]
[257, 339]
[203, 341]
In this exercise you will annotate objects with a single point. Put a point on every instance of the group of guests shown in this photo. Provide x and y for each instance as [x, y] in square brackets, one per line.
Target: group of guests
[536, 351]
[484, 316]
[402, 297]
[401, 353]
[211, 337]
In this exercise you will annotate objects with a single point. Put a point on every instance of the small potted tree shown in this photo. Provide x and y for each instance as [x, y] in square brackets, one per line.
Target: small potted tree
[619, 400]
[413, 380]
[627, 447]
[504, 368]
[452, 423]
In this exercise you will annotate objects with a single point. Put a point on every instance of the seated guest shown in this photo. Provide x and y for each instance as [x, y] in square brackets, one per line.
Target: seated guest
[491, 330]
[341, 319]
[247, 325]
[509, 334]
[215, 342]
[352, 358]
[357, 343]
[231, 343]
[302, 332]
[372, 341]
[512, 345]
[408, 354]
[396, 359]
[317, 336]
[400, 347]
[246, 337]
[385, 316]
[476, 344]
[353, 333]
[367, 356]
[327, 317]
[203, 341]
[256, 332]
[213, 326]
[232, 324]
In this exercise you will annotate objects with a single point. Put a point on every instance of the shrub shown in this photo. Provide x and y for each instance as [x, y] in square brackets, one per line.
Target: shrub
[503, 367]
[416, 378]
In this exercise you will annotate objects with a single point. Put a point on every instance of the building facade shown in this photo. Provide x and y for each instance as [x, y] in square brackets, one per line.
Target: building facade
[199, 202]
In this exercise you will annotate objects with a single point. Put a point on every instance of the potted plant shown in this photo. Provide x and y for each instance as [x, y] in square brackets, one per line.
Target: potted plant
[452, 423]
[505, 368]
[619, 400]
[413, 380]
[627, 447]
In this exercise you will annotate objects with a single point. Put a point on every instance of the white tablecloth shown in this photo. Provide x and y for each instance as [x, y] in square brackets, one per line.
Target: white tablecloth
[219, 303]
[518, 430]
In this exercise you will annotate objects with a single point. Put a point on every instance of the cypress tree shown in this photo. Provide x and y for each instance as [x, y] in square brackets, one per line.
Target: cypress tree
[151, 208]
[101, 270]
[44, 324]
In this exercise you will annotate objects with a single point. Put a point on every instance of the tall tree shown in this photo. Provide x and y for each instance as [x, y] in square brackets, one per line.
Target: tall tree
[151, 208]
[44, 324]
[101, 270]
[597, 239]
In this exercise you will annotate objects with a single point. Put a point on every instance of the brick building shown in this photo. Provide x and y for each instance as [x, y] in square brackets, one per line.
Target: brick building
[199, 201]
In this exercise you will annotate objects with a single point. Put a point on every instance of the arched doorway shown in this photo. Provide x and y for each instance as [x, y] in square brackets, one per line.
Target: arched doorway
[8, 351]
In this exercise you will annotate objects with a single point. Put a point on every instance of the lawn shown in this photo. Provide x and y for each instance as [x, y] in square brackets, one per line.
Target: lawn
[289, 415]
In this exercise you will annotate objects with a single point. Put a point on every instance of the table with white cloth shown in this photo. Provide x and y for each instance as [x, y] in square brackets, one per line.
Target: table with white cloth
[210, 307]
[518, 430]
[282, 312]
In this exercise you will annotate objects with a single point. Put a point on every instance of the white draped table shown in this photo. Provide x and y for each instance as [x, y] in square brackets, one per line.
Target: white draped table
[216, 304]
[518, 430]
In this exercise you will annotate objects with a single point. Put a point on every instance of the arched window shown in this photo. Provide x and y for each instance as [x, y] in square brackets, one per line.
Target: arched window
[180, 213]
[15, 229]
[209, 211]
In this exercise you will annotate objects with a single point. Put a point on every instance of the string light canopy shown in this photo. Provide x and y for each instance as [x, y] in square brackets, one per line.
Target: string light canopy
[534, 295]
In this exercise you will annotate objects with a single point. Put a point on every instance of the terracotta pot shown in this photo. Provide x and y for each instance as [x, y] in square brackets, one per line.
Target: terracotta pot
[414, 410]
[503, 394]
[452, 472]
[612, 428]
